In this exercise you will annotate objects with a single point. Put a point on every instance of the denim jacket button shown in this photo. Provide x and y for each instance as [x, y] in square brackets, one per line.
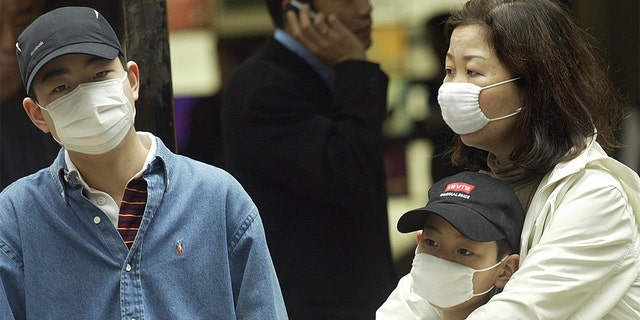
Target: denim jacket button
[128, 267]
[96, 220]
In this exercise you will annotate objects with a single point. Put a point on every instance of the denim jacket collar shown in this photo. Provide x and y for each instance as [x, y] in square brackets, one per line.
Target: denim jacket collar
[66, 179]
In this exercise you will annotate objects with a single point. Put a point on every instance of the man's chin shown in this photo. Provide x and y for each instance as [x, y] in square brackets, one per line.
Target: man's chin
[366, 43]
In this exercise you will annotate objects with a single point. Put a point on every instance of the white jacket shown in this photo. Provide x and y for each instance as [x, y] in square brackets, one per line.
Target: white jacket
[580, 255]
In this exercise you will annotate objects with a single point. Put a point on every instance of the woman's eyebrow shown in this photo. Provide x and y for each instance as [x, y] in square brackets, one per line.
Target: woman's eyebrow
[467, 57]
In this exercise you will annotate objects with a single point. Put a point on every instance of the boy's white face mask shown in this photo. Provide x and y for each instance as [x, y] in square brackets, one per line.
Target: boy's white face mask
[444, 283]
[93, 118]
[460, 106]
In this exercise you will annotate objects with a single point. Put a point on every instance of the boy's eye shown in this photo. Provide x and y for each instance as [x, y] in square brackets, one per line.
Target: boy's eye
[60, 88]
[101, 74]
[465, 252]
[450, 71]
[431, 242]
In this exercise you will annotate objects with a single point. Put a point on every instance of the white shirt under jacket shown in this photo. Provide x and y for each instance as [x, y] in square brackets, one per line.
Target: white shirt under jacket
[580, 255]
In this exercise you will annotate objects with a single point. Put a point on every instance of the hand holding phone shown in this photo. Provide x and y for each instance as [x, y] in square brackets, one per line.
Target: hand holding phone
[296, 6]
[324, 35]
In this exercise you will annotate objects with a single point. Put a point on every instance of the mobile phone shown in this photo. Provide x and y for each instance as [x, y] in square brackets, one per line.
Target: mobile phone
[296, 6]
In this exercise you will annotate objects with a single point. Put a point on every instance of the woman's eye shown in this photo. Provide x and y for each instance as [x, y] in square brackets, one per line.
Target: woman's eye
[471, 73]
[450, 72]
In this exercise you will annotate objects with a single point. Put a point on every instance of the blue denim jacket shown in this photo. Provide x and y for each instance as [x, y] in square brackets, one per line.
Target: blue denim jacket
[200, 252]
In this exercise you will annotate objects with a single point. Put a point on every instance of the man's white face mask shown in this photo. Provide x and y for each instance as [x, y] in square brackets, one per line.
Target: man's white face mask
[94, 118]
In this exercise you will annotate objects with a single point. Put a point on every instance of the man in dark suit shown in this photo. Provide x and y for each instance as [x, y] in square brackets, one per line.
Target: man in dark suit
[301, 128]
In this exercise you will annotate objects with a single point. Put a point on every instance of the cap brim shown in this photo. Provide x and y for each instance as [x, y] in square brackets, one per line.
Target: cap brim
[92, 48]
[467, 221]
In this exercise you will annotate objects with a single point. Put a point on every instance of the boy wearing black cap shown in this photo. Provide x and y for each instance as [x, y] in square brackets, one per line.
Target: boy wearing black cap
[119, 227]
[467, 250]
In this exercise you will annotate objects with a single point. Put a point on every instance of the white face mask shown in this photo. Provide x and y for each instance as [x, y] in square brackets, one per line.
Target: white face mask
[93, 118]
[460, 105]
[444, 283]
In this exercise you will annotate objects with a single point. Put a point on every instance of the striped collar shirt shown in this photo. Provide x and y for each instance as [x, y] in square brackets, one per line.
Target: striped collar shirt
[102, 199]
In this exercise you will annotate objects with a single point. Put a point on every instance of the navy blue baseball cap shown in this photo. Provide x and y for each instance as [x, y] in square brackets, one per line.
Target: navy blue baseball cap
[63, 31]
[480, 207]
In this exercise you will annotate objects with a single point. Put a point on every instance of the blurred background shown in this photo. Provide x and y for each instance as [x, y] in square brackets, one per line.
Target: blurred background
[405, 44]
[206, 39]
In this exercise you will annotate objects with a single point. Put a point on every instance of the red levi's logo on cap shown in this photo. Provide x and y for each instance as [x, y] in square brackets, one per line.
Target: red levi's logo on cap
[459, 187]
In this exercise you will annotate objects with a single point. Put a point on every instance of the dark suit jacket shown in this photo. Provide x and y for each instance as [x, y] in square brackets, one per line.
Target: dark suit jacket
[311, 159]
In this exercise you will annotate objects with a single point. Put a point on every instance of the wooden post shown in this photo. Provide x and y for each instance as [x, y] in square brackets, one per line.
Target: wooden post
[146, 41]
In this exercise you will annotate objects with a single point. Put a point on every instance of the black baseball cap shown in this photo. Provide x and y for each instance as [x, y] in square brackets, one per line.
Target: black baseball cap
[63, 31]
[480, 207]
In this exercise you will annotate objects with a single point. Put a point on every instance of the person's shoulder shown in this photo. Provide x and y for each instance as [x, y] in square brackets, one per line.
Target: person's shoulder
[592, 168]
[591, 176]
[37, 189]
[213, 184]
[273, 62]
[605, 170]
[597, 182]
[199, 170]
[259, 69]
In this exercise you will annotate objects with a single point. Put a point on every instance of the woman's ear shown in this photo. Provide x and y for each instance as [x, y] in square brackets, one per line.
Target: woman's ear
[510, 266]
[35, 114]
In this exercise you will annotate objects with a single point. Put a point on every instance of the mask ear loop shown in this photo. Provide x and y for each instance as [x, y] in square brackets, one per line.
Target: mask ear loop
[508, 115]
[500, 83]
[493, 266]
[126, 74]
[486, 269]
[45, 110]
[39, 106]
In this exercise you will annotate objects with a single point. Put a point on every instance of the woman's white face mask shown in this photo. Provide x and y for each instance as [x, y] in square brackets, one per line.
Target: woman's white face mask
[444, 283]
[94, 118]
[460, 105]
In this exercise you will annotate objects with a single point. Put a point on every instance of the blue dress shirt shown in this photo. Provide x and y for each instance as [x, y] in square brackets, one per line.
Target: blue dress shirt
[324, 70]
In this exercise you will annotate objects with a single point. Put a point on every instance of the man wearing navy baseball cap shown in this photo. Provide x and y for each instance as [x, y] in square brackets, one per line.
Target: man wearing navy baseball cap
[84, 31]
[118, 226]
[467, 250]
